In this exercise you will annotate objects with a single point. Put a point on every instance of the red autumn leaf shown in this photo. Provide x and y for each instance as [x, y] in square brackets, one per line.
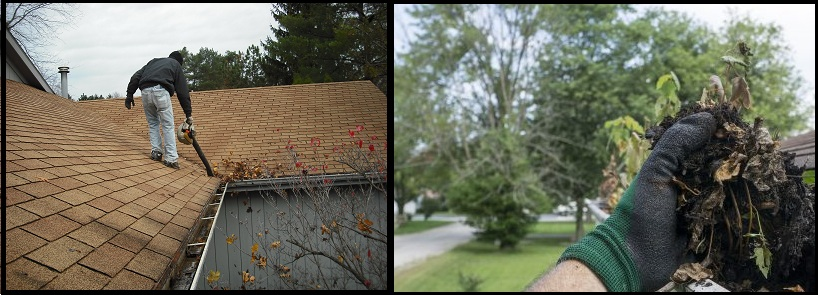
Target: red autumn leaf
[374, 137]
[359, 128]
[360, 143]
[371, 147]
[327, 181]
[297, 164]
[369, 253]
[352, 133]
[367, 283]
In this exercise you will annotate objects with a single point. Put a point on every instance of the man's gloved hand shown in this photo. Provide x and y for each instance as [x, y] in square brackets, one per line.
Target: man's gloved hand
[638, 247]
[129, 102]
[189, 121]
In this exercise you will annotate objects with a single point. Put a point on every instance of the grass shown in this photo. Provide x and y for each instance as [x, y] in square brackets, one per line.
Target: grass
[499, 270]
[809, 177]
[566, 227]
[419, 226]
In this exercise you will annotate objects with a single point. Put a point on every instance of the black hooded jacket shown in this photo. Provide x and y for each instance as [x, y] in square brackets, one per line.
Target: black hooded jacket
[163, 71]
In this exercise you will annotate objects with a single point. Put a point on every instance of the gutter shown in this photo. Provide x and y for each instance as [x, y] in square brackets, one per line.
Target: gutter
[186, 279]
[596, 210]
[287, 182]
[202, 247]
[180, 278]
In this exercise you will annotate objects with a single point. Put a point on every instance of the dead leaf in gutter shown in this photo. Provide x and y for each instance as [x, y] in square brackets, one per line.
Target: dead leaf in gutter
[796, 288]
[730, 167]
[691, 271]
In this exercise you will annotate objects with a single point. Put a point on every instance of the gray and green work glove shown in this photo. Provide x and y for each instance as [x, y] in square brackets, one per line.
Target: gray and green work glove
[639, 247]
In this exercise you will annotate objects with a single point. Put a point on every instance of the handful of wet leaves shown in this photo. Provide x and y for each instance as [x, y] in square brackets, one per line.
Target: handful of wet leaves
[749, 215]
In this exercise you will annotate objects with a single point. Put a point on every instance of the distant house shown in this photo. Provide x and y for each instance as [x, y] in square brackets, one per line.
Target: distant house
[804, 148]
[87, 209]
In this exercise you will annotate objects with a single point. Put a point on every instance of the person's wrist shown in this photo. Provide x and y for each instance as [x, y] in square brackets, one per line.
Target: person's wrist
[605, 251]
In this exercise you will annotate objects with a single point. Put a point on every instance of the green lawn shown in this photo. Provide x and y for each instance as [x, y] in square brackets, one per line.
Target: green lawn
[418, 226]
[508, 271]
[559, 227]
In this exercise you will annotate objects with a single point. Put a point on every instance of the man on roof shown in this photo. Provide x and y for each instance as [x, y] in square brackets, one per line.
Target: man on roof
[158, 80]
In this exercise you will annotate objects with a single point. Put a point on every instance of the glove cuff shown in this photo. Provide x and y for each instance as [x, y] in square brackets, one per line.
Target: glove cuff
[604, 251]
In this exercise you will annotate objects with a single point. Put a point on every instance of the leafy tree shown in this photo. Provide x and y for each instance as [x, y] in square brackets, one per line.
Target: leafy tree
[582, 85]
[503, 198]
[406, 122]
[429, 206]
[206, 70]
[253, 73]
[421, 162]
[92, 97]
[405, 190]
[479, 77]
[324, 42]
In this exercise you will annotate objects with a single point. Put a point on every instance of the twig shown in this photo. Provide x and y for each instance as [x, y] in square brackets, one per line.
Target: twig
[710, 247]
[750, 221]
[729, 230]
[750, 206]
[738, 217]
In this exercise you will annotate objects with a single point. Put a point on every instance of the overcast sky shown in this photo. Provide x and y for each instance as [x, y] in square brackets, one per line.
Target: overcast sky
[796, 20]
[107, 43]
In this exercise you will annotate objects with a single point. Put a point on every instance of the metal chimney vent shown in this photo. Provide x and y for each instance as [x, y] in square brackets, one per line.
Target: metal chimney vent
[64, 90]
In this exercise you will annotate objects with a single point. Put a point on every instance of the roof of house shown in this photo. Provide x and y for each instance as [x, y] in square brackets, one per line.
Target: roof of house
[19, 66]
[804, 148]
[86, 208]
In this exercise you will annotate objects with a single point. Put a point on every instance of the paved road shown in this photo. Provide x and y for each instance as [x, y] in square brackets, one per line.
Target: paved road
[414, 248]
[417, 247]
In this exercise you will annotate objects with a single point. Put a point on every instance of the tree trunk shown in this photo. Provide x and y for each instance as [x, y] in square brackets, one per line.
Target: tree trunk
[579, 226]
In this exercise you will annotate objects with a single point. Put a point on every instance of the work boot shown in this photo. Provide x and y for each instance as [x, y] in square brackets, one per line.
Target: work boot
[174, 165]
[156, 156]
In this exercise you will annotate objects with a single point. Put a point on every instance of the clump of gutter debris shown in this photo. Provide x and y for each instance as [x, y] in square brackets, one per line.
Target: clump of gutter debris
[749, 214]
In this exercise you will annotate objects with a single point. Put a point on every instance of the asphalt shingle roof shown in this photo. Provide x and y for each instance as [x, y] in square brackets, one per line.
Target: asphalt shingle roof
[804, 148]
[255, 124]
[86, 208]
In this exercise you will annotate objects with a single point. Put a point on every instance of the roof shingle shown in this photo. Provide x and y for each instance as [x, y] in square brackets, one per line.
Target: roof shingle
[83, 198]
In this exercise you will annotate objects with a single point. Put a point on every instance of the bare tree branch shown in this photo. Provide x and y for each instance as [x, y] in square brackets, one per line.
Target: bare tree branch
[35, 26]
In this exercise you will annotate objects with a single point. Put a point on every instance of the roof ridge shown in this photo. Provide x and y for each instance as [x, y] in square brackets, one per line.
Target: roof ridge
[256, 87]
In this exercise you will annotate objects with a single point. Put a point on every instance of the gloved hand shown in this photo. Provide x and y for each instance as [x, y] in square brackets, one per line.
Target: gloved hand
[638, 247]
[189, 121]
[129, 102]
